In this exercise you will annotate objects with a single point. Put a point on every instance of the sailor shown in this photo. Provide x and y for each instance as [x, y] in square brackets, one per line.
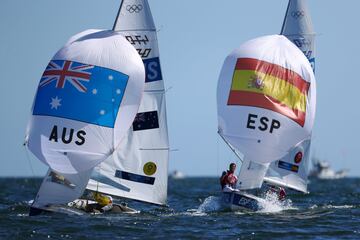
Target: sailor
[279, 191]
[281, 194]
[228, 179]
[104, 202]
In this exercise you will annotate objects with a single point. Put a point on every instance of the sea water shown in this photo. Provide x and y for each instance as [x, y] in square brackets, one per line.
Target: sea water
[330, 211]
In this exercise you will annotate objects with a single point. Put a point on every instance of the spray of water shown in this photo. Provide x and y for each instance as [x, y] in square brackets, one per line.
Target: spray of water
[210, 204]
[272, 204]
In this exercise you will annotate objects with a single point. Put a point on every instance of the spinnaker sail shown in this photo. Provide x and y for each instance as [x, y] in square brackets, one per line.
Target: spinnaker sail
[86, 101]
[266, 103]
[139, 168]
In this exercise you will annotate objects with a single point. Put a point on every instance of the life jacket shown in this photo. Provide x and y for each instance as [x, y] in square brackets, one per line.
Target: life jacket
[282, 194]
[228, 179]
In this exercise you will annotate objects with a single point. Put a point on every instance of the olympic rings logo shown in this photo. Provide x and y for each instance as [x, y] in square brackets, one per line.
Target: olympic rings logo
[134, 8]
[297, 14]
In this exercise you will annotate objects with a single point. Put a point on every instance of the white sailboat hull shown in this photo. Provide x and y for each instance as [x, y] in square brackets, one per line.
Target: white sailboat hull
[240, 201]
[55, 209]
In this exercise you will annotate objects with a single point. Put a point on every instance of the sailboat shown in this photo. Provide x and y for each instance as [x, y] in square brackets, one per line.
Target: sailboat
[138, 169]
[298, 28]
[266, 98]
[86, 101]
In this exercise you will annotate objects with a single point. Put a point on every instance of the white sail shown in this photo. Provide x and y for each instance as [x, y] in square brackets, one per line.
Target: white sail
[251, 174]
[86, 101]
[266, 102]
[58, 189]
[139, 169]
[298, 28]
[292, 170]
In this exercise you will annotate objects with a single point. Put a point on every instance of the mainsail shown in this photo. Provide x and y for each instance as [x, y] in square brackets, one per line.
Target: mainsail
[139, 169]
[266, 104]
[298, 28]
[86, 101]
[291, 171]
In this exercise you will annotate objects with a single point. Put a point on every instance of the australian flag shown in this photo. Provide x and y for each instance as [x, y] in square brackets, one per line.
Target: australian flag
[80, 92]
[146, 121]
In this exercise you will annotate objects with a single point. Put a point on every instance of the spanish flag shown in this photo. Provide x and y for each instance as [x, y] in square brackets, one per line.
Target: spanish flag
[258, 83]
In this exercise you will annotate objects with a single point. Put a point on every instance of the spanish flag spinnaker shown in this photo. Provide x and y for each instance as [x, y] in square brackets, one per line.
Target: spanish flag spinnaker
[266, 98]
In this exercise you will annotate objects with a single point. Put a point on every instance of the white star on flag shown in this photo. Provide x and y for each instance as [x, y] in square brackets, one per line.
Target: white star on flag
[55, 102]
[111, 77]
[94, 91]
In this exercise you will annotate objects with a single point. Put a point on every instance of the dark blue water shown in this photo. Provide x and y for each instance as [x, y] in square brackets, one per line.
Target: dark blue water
[330, 211]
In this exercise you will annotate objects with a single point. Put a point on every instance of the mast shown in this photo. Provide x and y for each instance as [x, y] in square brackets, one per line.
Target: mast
[286, 13]
[117, 15]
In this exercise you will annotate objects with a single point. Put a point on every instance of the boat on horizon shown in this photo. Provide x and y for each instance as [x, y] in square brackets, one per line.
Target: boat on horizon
[323, 170]
[176, 174]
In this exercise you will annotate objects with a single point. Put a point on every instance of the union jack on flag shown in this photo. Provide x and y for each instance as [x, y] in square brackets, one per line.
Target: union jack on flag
[61, 72]
[80, 92]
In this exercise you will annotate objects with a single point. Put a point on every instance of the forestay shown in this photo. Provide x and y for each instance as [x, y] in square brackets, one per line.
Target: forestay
[266, 100]
[298, 28]
[87, 99]
[139, 168]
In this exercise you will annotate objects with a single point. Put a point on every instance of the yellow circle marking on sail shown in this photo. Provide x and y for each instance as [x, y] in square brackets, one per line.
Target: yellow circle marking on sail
[149, 168]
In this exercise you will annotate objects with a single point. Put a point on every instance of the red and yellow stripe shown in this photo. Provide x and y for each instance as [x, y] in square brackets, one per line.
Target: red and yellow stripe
[266, 85]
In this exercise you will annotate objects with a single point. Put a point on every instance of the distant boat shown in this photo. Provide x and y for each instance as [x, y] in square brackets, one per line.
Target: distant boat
[86, 100]
[257, 119]
[322, 170]
[177, 175]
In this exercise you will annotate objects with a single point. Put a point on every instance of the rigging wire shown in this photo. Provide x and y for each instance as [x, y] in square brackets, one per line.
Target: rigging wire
[217, 155]
[29, 159]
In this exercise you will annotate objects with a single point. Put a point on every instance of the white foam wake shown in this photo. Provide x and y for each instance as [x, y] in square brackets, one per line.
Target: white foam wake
[210, 204]
[271, 204]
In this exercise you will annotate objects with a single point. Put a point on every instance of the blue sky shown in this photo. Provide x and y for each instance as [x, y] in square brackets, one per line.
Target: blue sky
[194, 39]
